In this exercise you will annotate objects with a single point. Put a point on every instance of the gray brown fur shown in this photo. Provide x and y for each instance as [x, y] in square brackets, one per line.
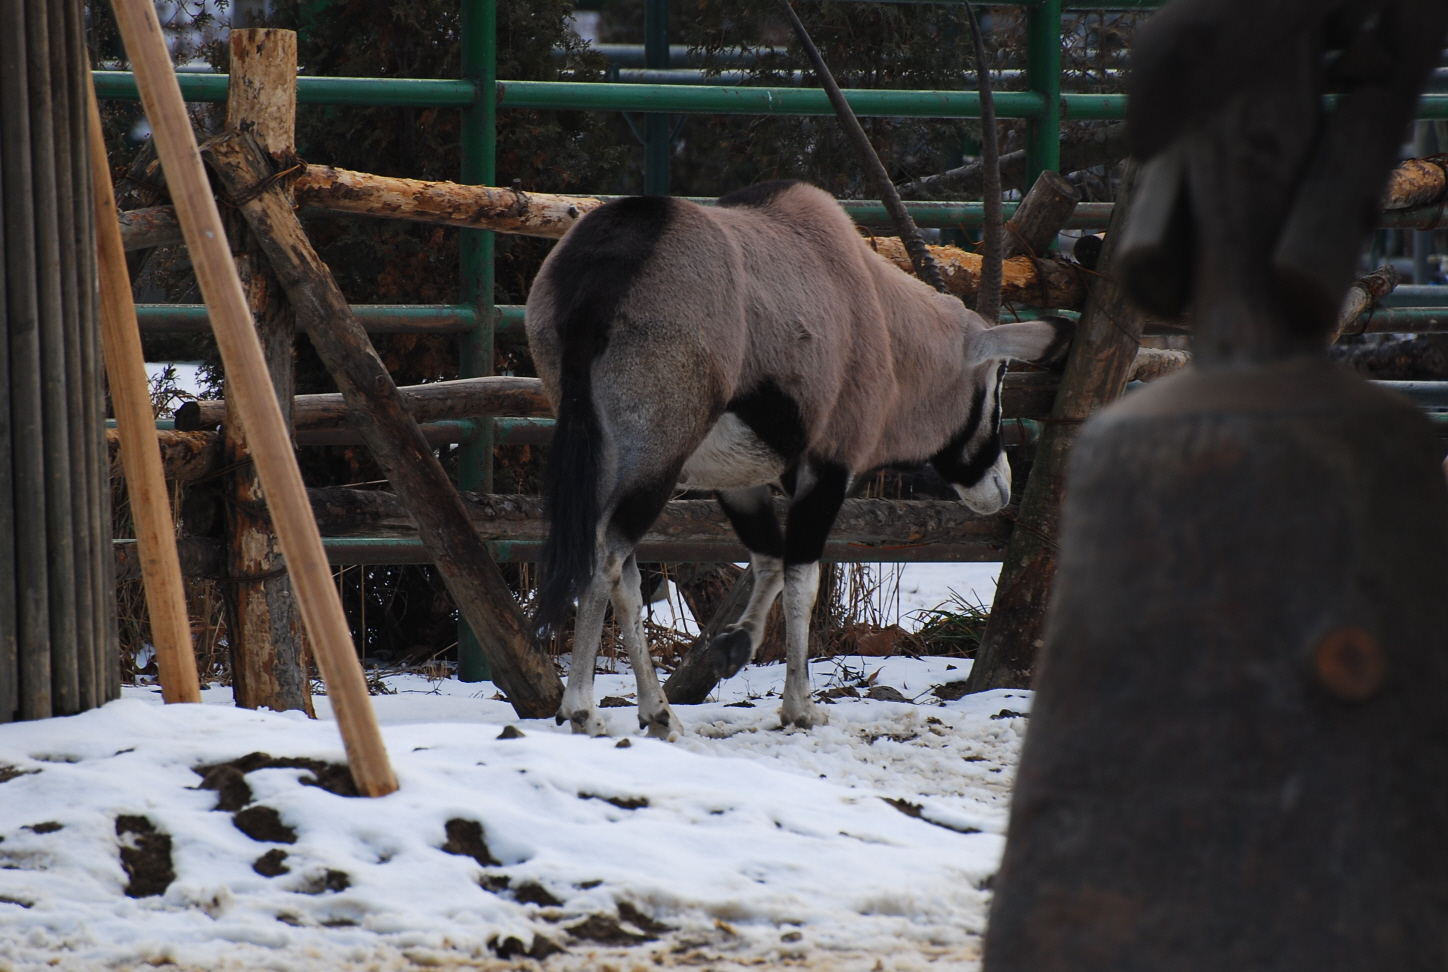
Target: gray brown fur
[772, 286]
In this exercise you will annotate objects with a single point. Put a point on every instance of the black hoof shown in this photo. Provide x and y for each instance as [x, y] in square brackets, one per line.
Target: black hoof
[730, 652]
[559, 719]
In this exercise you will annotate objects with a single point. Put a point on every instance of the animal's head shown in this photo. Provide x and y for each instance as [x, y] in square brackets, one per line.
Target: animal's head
[974, 461]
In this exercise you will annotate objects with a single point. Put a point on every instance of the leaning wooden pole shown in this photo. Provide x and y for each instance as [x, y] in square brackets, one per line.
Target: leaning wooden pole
[256, 402]
[136, 425]
[391, 434]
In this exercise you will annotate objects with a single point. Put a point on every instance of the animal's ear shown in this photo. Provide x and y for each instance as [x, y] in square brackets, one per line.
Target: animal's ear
[1042, 342]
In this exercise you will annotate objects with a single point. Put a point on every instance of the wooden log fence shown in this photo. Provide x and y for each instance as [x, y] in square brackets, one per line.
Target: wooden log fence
[392, 436]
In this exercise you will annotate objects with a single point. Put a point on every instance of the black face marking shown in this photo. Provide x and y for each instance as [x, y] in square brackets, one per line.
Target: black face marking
[952, 463]
[591, 272]
[756, 195]
[812, 515]
[773, 416]
[755, 524]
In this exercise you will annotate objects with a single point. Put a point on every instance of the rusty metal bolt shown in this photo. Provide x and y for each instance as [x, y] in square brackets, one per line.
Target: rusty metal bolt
[1349, 663]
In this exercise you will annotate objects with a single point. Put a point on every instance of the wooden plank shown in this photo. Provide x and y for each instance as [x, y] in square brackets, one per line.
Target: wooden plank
[256, 402]
[396, 443]
[135, 440]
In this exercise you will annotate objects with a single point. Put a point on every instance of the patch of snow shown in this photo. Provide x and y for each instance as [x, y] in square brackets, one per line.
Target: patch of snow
[864, 841]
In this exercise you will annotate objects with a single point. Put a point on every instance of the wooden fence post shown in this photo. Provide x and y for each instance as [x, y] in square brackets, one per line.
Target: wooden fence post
[1096, 371]
[263, 624]
[255, 398]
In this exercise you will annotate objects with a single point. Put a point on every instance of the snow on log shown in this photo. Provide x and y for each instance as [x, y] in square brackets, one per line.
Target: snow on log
[479, 207]
[1043, 283]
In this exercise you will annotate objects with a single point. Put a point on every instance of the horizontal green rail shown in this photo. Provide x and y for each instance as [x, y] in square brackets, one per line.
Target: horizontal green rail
[677, 98]
[395, 92]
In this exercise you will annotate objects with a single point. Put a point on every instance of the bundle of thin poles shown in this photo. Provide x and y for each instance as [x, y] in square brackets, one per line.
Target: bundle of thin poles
[57, 601]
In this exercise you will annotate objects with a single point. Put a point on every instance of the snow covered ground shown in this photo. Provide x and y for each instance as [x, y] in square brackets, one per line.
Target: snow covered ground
[865, 844]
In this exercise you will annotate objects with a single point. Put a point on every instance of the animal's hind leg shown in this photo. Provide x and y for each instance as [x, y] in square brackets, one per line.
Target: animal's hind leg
[751, 511]
[655, 716]
[577, 707]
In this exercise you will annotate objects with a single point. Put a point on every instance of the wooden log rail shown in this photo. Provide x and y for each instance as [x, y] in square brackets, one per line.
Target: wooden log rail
[1027, 394]
[432, 402]
[689, 530]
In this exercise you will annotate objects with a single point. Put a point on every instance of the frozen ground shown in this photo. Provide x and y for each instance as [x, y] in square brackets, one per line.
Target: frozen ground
[864, 844]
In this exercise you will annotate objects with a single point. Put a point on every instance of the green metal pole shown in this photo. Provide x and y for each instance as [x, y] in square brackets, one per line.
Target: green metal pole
[1043, 76]
[657, 142]
[475, 355]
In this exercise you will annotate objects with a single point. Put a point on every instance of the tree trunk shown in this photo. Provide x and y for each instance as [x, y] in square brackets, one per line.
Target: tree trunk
[396, 443]
[1050, 283]
[1416, 183]
[1101, 358]
[264, 625]
[1040, 217]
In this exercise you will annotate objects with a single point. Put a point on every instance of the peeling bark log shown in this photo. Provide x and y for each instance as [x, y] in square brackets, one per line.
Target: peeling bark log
[344, 512]
[1417, 183]
[479, 207]
[476, 584]
[1415, 359]
[143, 229]
[1042, 283]
[1361, 298]
[1153, 363]
[435, 401]
[264, 622]
[1033, 227]
[185, 456]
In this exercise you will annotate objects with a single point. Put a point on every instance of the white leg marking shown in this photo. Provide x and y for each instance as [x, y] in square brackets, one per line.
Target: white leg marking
[801, 584]
[654, 712]
[577, 707]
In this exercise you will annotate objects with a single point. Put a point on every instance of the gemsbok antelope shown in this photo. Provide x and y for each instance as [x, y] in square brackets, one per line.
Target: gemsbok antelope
[757, 343]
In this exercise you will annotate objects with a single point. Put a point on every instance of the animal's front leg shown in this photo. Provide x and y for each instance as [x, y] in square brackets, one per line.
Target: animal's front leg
[801, 583]
[655, 716]
[751, 511]
[818, 494]
[577, 707]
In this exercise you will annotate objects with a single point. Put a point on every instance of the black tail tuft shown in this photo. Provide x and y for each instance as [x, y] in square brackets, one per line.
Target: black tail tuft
[591, 273]
[571, 497]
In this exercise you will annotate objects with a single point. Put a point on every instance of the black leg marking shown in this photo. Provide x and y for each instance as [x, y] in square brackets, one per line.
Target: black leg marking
[751, 512]
[812, 514]
[774, 416]
[952, 462]
[730, 652]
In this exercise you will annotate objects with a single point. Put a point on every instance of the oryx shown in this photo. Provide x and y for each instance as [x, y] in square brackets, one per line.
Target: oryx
[758, 343]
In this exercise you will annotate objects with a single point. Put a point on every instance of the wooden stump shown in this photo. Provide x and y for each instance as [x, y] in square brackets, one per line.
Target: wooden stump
[264, 625]
[1238, 757]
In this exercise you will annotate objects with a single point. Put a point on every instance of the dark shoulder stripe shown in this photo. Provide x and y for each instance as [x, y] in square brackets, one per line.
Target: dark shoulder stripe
[757, 195]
